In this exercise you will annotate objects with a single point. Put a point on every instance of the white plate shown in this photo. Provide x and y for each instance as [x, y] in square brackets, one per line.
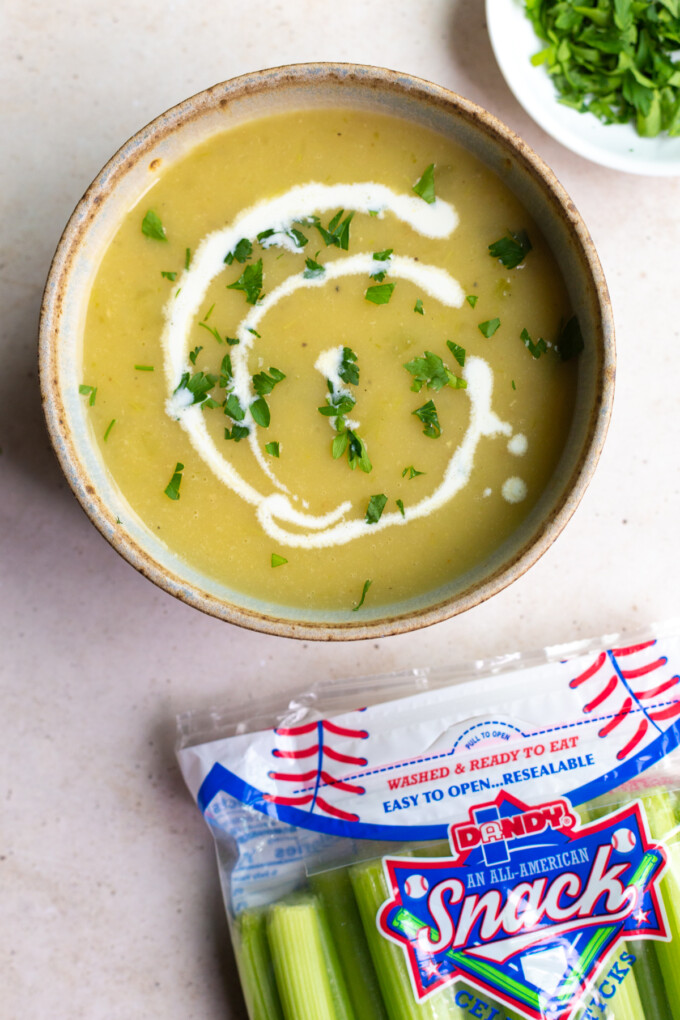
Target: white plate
[614, 145]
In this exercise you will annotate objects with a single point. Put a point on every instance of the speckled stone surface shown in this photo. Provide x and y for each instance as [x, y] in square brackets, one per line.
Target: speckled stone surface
[110, 897]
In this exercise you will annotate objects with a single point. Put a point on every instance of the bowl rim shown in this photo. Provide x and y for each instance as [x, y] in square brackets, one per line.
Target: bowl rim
[76, 471]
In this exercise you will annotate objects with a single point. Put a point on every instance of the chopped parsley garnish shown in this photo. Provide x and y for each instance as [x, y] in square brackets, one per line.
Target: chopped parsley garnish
[250, 282]
[511, 250]
[512, 382]
[254, 332]
[238, 433]
[209, 312]
[411, 472]
[616, 59]
[424, 187]
[400, 504]
[570, 342]
[418, 307]
[313, 270]
[232, 407]
[260, 412]
[194, 354]
[241, 253]
[383, 256]
[168, 275]
[91, 390]
[232, 340]
[430, 419]
[226, 372]
[187, 257]
[489, 327]
[337, 232]
[349, 370]
[537, 348]
[457, 351]
[278, 561]
[152, 226]
[172, 488]
[298, 237]
[212, 330]
[340, 404]
[376, 505]
[431, 371]
[472, 299]
[264, 384]
[380, 294]
[108, 428]
[272, 449]
[264, 235]
[145, 368]
[198, 385]
[364, 590]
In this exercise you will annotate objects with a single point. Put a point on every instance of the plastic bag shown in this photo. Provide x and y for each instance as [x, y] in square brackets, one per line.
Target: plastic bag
[498, 841]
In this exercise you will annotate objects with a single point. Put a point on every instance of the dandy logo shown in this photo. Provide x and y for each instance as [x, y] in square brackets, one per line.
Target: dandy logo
[530, 906]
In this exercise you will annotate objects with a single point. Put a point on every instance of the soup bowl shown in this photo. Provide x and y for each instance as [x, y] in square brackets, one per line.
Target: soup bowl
[129, 174]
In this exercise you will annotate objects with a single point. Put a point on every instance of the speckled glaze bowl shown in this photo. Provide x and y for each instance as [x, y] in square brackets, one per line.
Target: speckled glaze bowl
[126, 177]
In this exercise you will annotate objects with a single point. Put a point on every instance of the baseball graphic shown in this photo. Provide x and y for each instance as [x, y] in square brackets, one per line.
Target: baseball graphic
[623, 840]
[416, 886]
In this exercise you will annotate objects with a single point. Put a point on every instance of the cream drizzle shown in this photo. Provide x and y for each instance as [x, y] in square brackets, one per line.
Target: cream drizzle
[296, 205]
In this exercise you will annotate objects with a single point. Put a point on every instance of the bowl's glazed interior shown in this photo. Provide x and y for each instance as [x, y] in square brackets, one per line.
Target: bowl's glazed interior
[126, 177]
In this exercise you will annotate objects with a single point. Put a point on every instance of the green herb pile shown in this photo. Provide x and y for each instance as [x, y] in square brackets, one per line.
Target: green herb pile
[614, 58]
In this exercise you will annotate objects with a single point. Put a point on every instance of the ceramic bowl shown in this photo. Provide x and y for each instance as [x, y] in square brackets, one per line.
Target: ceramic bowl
[124, 179]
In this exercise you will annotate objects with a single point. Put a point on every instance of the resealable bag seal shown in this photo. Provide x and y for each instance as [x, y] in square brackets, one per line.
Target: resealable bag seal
[497, 840]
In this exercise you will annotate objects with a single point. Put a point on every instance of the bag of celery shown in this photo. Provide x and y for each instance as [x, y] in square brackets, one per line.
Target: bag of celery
[498, 841]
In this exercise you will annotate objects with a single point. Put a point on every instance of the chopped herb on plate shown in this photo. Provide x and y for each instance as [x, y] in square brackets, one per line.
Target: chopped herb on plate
[411, 472]
[168, 275]
[349, 370]
[278, 561]
[472, 299]
[90, 391]
[424, 187]
[431, 371]
[535, 348]
[512, 249]
[489, 327]
[430, 419]
[313, 270]
[380, 294]
[145, 368]
[367, 585]
[250, 282]
[108, 429]
[152, 226]
[570, 342]
[376, 505]
[457, 351]
[241, 253]
[172, 488]
[272, 449]
[418, 307]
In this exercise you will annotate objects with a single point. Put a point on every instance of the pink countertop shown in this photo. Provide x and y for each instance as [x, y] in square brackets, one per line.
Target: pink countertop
[112, 906]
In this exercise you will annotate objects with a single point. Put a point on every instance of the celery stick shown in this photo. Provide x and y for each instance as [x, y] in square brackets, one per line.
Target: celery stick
[370, 890]
[255, 966]
[660, 815]
[335, 891]
[308, 974]
[649, 979]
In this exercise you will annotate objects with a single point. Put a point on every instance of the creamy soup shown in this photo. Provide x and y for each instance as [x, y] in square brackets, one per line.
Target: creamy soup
[307, 369]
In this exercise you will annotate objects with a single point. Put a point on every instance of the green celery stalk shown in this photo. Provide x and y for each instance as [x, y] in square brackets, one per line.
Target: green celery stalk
[659, 808]
[335, 892]
[370, 890]
[255, 966]
[307, 969]
[649, 979]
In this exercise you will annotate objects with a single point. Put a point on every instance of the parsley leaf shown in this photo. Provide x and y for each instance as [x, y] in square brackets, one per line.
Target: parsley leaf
[511, 250]
[168, 275]
[264, 384]
[194, 354]
[457, 351]
[108, 428]
[472, 300]
[272, 449]
[537, 348]
[349, 370]
[91, 390]
[337, 233]
[232, 407]
[198, 385]
[570, 342]
[364, 590]
[278, 561]
[376, 505]
[212, 330]
[152, 226]
[383, 256]
[400, 504]
[430, 419]
[418, 307]
[241, 253]
[431, 371]
[145, 368]
[380, 294]
[424, 187]
[260, 412]
[411, 472]
[250, 282]
[237, 433]
[172, 488]
[187, 257]
[226, 372]
[489, 327]
[209, 312]
[313, 270]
